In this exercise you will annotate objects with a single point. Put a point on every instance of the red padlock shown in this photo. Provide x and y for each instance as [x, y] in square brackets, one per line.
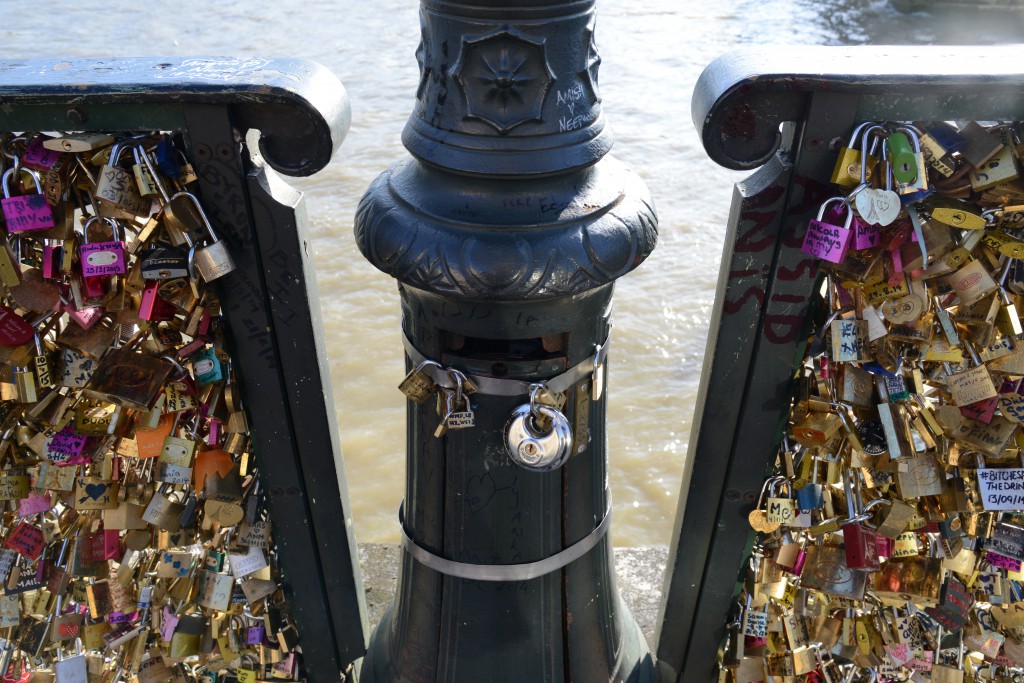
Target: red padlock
[153, 307]
[860, 541]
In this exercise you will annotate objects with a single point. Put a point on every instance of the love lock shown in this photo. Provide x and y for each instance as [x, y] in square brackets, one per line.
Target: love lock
[533, 449]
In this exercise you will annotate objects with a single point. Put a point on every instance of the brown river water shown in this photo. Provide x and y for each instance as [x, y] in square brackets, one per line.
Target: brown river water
[652, 53]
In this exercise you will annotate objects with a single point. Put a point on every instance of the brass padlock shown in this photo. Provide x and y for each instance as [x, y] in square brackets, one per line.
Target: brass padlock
[847, 168]
[129, 378]
[116, 192]
[163, 511]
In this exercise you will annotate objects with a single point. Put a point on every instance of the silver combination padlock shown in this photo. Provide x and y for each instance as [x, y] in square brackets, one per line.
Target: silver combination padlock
[533, 449]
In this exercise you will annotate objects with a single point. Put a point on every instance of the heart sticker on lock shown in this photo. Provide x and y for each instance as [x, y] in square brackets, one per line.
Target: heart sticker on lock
[877, 207]
[904, 310]
[94, 491]
[67, 630]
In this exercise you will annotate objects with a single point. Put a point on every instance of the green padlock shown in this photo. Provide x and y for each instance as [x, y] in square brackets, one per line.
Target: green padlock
[902, 158]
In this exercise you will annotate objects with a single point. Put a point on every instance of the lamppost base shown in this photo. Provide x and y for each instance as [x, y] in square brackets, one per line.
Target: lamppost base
[496, 632]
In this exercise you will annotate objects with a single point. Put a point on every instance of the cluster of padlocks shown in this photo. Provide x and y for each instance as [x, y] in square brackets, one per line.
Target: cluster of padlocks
[890, 536]
[538, 435]
[134, 543]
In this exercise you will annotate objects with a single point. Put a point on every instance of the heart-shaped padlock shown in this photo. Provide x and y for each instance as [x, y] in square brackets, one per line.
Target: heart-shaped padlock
[904, 310]
[877, 207]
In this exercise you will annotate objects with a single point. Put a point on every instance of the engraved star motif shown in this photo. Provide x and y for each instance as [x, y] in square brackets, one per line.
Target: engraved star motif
[504, 78]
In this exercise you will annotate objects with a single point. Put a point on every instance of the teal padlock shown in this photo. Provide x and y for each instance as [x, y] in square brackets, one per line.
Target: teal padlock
[207, 367]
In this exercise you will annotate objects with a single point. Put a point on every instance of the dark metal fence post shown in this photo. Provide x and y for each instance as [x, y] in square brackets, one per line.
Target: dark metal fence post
[757, 329]
[270, 302]
[506, 231]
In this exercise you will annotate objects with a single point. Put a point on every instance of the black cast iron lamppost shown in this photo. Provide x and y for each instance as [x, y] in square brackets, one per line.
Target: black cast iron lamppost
[506, 231]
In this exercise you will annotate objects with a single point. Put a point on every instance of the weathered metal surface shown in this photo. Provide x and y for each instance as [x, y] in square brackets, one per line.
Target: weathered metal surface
[515, 99]
[766, 283]
[738, 104]
[967, 6]
[270, 302]
[299, 105]
[506, 231]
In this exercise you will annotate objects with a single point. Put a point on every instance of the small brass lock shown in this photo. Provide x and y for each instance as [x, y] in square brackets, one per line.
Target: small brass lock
[533, 449]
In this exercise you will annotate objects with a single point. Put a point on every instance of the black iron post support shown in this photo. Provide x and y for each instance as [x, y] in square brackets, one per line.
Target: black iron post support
[506, 231]
[296, 113]
[766, 284]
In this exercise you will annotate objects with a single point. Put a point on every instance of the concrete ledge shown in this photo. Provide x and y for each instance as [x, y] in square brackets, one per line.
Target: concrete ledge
[639, 571]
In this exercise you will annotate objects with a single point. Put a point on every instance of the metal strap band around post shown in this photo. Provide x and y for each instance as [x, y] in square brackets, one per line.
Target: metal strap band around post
[494, 386]
[505, 572]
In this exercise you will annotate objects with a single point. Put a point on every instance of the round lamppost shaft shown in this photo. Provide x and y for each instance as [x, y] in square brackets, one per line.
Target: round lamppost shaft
[506, 231]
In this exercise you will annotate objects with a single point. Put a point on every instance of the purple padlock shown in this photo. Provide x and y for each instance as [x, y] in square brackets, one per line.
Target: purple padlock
[100, 259]
[826, 240]
[865, 235]
[26, 212]
[38, 157]
[254, 635]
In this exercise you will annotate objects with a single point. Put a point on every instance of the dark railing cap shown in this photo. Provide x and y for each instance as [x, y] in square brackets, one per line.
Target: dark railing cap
[300, 107]
[742, 97]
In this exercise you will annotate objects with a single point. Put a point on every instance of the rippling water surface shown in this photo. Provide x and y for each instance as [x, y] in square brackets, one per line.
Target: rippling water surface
[652, 53]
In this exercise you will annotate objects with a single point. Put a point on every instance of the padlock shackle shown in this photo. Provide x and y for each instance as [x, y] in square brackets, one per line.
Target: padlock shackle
[114, 228]
[912, 134]
[887, 166]
[864, 152]
[852, 509]
[199, 210]
[18, 170]
[4, 182]
[857, 132]
[841, 200]
[154, 175]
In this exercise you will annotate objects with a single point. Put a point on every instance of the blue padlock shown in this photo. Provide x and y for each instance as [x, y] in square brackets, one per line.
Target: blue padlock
[811, 497]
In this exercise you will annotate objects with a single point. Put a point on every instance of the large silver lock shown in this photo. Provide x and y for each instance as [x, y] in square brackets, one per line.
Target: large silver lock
[212, 260]
[534, 449]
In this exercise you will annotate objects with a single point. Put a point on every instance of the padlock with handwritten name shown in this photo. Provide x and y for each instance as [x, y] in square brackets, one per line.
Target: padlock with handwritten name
[24, 212]
[164, 511]
[826, 240]
[101, 259]
[117, 193]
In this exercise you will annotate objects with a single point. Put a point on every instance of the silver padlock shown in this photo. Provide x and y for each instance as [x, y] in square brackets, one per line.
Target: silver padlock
[213, 260]
[533, 449]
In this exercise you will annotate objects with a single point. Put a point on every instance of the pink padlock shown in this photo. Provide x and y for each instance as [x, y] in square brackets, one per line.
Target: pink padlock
[53, 254]
[27, 212]
[213, 436]
[153, 307]
[101, 259]
[825, 240]
[85, 317]
[111, 544]
[865, 235]
[40, 158]
[94, 288]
